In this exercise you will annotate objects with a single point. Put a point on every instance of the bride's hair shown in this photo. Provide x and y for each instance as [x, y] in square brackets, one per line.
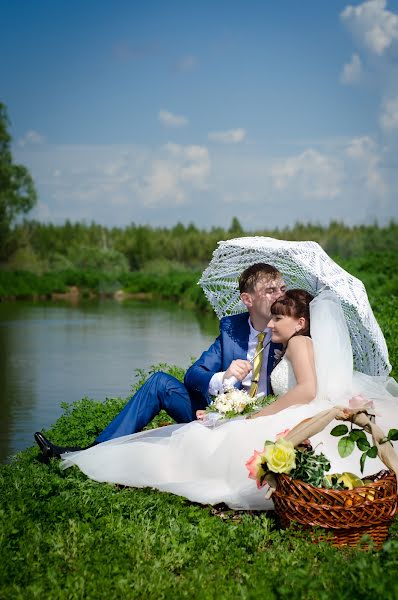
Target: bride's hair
[294, 303]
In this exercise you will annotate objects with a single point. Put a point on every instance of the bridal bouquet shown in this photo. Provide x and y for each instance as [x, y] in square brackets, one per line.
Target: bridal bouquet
[233, 402]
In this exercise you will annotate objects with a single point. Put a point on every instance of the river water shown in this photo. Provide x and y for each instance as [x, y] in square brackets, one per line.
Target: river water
[52, 353]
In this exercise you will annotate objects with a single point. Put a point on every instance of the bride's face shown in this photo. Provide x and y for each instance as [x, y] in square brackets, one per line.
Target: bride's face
[283, 327]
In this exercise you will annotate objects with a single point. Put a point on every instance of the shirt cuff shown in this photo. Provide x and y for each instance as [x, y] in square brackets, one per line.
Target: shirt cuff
[216, 384]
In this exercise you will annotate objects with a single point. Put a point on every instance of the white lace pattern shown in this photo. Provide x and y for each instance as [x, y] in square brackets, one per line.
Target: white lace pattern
[282, 377]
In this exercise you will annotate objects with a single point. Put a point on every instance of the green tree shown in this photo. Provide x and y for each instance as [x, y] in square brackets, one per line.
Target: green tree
[17, 191]
[235, 228]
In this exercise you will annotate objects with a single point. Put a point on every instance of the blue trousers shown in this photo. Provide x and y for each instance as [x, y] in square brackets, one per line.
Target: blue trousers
[160, 391]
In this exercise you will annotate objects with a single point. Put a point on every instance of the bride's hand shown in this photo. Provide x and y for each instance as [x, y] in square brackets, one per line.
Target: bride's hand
[200, 414]
[252, 416]
[264, 412]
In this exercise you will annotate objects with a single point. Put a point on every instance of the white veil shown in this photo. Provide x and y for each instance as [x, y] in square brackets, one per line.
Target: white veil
[337, 382]
[332, 349]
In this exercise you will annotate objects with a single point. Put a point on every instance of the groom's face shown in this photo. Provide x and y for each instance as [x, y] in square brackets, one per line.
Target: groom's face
[265, 292]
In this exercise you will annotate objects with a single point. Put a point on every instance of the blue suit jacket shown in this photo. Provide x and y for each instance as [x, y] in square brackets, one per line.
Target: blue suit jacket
[231, 344]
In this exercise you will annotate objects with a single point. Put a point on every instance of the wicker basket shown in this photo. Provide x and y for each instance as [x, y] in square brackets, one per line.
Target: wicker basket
[347, 515]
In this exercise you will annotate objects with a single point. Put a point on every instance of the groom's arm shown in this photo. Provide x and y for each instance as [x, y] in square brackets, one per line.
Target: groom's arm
[206, 375]
[198, 376]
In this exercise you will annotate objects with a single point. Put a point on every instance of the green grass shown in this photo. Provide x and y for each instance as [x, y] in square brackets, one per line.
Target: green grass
[64, 536]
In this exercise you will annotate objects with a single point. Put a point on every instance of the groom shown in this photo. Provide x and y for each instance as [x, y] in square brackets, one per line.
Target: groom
[228, 357]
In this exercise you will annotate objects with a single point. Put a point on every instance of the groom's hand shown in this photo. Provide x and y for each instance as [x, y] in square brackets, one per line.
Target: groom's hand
[238, 368]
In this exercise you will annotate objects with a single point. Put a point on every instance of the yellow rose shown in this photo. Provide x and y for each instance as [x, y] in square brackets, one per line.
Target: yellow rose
[281, 456]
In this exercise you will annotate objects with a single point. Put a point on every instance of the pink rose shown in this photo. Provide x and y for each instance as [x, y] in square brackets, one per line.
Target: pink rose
[282, 434]
[255, 467]
[360, 402]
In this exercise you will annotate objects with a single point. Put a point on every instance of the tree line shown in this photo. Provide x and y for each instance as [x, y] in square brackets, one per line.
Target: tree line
[44, 247]
[40, 248]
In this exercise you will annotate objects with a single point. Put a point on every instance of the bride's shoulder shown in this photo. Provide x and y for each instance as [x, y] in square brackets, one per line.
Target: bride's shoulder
[297, 343]
[300, 341]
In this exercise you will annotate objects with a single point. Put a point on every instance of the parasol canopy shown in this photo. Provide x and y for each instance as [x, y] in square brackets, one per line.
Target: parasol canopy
[303, 265]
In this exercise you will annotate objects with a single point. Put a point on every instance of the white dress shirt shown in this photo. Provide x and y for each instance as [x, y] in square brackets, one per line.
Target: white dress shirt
[216, 382]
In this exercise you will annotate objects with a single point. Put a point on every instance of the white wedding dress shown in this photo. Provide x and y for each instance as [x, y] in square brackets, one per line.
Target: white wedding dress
[207, 465]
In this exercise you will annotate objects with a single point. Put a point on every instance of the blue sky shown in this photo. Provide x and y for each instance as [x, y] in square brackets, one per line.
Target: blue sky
[157, 112]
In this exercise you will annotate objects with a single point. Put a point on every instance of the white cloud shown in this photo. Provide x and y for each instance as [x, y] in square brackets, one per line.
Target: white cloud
[162, 183]
[350, 180]
[186, 64]
[373, 25]
[360, 148]
[178, 172]
[365, 158]
[309, 174]
[376, 29]
[170, 120]
[389, 114]
[89, 182]
[352, 71]
[231, 136]
[195, 161]
[31, 138]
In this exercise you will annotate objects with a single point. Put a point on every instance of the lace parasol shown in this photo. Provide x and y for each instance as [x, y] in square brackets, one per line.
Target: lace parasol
[303, 265]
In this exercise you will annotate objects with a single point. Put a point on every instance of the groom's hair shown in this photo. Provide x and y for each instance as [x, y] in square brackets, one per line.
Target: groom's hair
[250, 276]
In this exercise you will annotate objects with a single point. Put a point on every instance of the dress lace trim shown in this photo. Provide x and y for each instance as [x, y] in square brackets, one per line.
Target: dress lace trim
[282, 377]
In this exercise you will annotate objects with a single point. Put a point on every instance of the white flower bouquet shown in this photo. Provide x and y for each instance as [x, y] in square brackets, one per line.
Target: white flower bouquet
[232, 403]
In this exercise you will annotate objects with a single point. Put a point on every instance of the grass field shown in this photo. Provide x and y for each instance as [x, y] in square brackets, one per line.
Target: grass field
[64, 536]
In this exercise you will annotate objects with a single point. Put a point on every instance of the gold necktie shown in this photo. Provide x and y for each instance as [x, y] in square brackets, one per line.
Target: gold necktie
[257, 365]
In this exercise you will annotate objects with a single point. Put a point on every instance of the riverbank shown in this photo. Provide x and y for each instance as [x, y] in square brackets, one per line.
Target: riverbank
[377, 270]
[72, 286]
[73, 294]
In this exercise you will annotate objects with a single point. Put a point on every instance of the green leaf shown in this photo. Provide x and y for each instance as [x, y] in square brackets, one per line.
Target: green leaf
[345, 446]
[363, 444]
[372, 452]
[357, 434]
[393, 435]
[339, 430]
[362, 461]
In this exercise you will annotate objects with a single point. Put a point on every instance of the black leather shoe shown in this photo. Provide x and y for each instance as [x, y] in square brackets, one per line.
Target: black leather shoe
[50, 450]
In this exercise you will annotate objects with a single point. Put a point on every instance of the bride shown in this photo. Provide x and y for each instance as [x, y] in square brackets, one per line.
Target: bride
[207, 465]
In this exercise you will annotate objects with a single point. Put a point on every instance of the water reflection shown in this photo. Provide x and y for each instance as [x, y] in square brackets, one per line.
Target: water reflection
[53, 353]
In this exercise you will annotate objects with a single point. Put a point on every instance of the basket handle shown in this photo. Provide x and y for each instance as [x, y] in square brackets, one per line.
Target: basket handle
[309, 427]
